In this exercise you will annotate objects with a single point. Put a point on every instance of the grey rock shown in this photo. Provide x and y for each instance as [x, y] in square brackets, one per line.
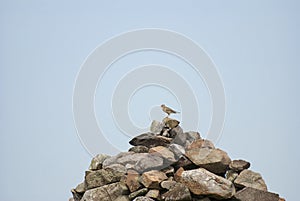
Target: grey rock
[111, 192]
[185, 163]
[80, 188]
[156, 127]
[252, 194]
[163, 152]
[96, 163]
[149, 162]
[137, 193]
[231, 175]
[150, 140]
[191, 136]
[202, 182]
[239, 165]
[178, 135]
[177, 149]
[168, 184]
[139, 149]
[178, 192]
[76, 196]
[143, 198]
[248, 178]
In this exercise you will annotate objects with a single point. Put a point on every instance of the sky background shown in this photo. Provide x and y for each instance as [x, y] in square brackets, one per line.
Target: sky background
[254, 44]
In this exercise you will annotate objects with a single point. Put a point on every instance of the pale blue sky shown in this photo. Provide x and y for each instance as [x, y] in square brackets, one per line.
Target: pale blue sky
[254, 44]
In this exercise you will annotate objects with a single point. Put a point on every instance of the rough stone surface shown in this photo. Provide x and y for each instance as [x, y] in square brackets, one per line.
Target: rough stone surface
[203, 182]
[149, 162]
[139, 149]
[178, 192]
[150, 140]
[185, 163]
[252, 194]
[214, 160]
[80, 188]
[171, 123]
[102, 177]
[132, 180]
[168, 184]
[164, 152]
[178, 135]
[191, 136]
[96, 163]
[137, 193]
[177, 149]
[156, 127]
[111, 192]
[239, 165]
[153, 193]
[153, 178]
[201, 143]
[143, 198]
[248, 178]
[231, 175]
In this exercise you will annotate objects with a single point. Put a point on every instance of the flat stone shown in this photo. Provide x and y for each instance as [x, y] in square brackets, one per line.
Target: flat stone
[143, 198]
[214, 160]
[102, 177]
[96, 163]
[239, 165]
[156, 127]
[139, 149]
[149, 162]
[252, 194]
[153, 178]
[137, 193]
[178, 192]
[110, 192]
[132, 180]
[163, 152]
[202, 182]
[150, 140]
[248, 178]
[171, 123]
[153, 193]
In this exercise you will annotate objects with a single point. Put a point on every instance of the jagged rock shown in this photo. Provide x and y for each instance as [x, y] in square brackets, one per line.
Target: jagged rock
[153, 193]
[143, 198]
[178, 192]
[149, 162]
[102, 177]
[214, 160]
[177, 149]
[169, 171]
[132, 180]
[231, 175]
[153, 178]
[139, 149]
[185, 163]
[163, 152]
[252, 194]
[76, 196]
[202, 182]
[178, 135]
[137, 193]
[156, 127]
[239, 165]
[171, 123]
[191, 136]
[110, 192]
[201, 143]
[168, 184]
[96, 163]
[248, 178]
[150, 140]
[80, 188]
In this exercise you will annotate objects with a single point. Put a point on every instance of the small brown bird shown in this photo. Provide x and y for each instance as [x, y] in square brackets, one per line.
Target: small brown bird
[168, 110]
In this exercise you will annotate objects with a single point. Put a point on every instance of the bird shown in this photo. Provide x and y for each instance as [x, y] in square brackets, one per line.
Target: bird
[168, 110]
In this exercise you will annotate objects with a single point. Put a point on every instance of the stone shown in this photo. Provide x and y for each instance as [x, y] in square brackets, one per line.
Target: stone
[169, 171]
[132, 180]
[178, 192]
[137, 193]
[178, 135]
[252, 194]
[239, 165]
[96, 163]
[202, 182]
[80, 188]
[149, 162]
[143, 198]
[163, 152]
[122, 198]
[153, 178]
[153, 193]
[168, 184]
[191, 136]
[177, 149]
[248, 178]
[102, 177]
[214, 160]
[110, 192]
[201, 143]
[139, 149]
[231, 175]
[76, 196]
[171, 123]
[185, 163]
[156, 127]
[150, 140]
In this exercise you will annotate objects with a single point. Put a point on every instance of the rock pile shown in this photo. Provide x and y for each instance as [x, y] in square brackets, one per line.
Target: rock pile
[172, 165]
